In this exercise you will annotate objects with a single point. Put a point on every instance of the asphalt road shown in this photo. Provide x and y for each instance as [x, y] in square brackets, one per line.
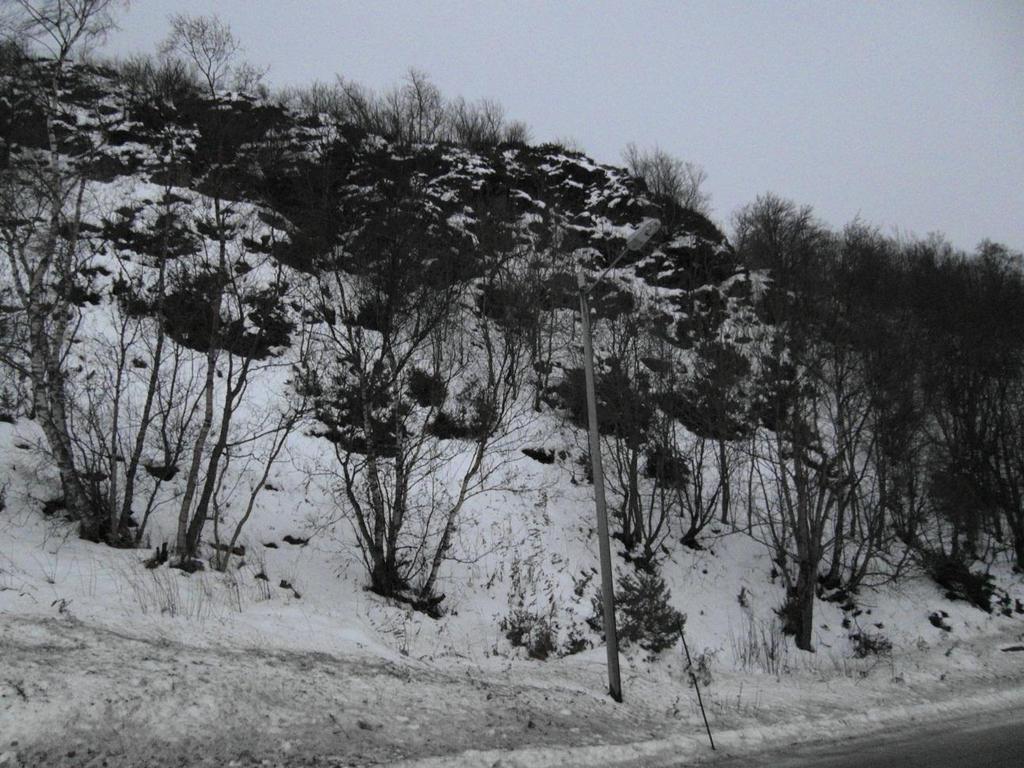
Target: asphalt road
[951, 745]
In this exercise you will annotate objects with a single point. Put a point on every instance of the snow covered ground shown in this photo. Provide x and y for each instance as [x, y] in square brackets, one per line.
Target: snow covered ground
[103, 662]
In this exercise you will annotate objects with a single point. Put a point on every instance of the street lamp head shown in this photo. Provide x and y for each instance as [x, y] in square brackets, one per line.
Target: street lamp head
[635, 242]
[643, 233]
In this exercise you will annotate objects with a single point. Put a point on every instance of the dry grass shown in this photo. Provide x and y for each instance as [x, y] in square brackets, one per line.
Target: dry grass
[761, 647]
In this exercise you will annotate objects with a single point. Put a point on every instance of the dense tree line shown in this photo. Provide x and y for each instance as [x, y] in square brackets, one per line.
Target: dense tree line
[893, 388]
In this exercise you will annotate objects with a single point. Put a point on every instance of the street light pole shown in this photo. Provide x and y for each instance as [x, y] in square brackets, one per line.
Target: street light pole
[639, 238]
[607, 594]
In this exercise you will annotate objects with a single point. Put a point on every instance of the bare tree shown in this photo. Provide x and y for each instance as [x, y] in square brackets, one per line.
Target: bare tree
[236, 316]
[147, 78]
[43, 203]
[422, 107]
[318, 98]
[799, 471]
[210, 48]
[516, 133]
[61, 28]
[416, 387]
[547, 281]
[476, 124]
[175, 412]
[259, 448]
[205, 42]
[669, 177]
[411, 113]
[629, 419]
[658, 473]
[119, 405]
[798, 500]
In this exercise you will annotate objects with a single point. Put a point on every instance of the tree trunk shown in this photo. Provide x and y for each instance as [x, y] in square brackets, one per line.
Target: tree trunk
[147, 409]
[426, 592]
[48, 400]
[634, 510]
[181, 543]
[834, 577]
[213, 468]
[805, 588]
[724, 479]
[113, 513]
[1016, 525]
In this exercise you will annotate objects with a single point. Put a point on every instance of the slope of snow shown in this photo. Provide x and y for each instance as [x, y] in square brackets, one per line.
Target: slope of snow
[101, 658]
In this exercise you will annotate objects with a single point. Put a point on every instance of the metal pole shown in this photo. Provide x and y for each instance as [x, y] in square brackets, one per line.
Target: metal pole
[607, 589]
[696, 687]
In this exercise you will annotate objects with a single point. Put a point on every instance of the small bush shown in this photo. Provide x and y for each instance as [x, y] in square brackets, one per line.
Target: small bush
[575, 642]
[535, 633]
[540, 454]
[867, 644]
[665, 467]
[426, 389]
[789, 613]
[448, 427]
[700, 669]
[644, 615]
[474, 420]
[959, 581]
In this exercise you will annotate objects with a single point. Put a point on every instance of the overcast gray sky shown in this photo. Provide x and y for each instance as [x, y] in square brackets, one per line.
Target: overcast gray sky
[909, 114]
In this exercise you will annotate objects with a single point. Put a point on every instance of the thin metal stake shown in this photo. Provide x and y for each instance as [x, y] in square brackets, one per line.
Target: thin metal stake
[696, 687]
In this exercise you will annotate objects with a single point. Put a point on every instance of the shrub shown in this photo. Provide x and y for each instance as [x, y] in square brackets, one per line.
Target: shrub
[427, 389]
[535, 633]
[959, 581]
[789, 613]
[644, 615]
[448, 427]
[147, 79]
[700, 669]
[867, 644]
[540, 454]
[474, 420]
[575, 641]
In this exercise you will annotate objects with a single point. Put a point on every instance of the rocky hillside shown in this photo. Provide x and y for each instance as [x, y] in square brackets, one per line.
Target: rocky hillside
[223, 233]
[317, 185]
[313, 401]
